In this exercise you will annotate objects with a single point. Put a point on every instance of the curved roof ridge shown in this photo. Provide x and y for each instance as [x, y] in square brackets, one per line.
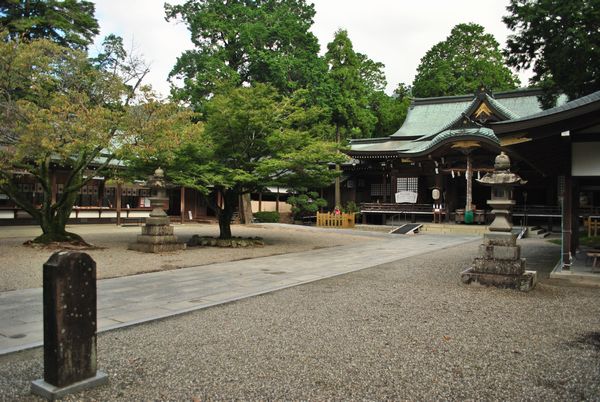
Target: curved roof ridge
[508, 114]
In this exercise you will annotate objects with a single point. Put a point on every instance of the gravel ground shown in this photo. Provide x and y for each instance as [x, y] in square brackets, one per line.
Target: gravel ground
[22, 265]
[407, 330]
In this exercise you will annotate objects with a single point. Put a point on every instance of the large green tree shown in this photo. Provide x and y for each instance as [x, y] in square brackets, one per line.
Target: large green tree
[467, 59]
[561, 40]
[69, 23]
[60, 110]
[240, 42]
[253, 138]
[349, 73]
[348, 92]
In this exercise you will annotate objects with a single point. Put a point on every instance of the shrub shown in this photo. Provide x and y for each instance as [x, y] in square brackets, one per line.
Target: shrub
[306, 204]
[267, 216]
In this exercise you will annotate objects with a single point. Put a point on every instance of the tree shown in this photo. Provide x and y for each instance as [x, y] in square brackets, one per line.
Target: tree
[60, 110]
[69, 23]
[306, 203]
[390, 112]
[253, 138]
[402, 91]
[348, 91]
[561, 40]
[238, 43]
[467, 59]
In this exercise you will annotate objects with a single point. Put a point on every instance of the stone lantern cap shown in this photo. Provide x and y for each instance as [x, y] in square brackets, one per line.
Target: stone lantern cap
[157, 180]
[501, 176]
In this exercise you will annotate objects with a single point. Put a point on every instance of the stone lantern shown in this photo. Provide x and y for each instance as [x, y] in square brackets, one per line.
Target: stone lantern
[157, 234]
[500, 263]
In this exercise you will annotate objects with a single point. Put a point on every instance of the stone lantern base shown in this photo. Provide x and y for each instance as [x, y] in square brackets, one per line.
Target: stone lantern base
[500, 264]
[157, 235]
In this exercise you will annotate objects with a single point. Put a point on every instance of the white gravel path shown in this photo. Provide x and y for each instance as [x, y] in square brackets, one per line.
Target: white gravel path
[21, 266]
[406, 330]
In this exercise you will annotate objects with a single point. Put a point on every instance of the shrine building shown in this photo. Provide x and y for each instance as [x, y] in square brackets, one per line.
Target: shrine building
[430, 163]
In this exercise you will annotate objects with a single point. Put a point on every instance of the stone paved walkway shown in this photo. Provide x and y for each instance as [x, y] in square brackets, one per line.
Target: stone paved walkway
[135, 299]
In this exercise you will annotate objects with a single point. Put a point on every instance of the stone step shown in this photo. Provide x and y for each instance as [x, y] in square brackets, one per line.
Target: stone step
[450, 228]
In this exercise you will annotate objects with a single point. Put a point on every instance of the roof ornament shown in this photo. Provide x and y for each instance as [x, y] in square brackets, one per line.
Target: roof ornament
[482, 91]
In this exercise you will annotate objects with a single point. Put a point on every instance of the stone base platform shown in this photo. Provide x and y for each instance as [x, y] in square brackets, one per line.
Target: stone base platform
[524, 282]
[52, 393]
[156, 247]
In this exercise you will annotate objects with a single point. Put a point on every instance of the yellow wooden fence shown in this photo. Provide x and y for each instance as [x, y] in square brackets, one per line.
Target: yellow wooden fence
[330, 220]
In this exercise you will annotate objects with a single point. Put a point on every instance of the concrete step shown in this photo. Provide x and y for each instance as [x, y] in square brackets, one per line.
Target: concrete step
[538, 232]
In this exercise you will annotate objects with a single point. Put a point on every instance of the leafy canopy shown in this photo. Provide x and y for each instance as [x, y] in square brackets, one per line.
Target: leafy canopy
[60, 110]
[69, 23]
[238, 43]
[561, 40]
[253, 138]
[467, 59]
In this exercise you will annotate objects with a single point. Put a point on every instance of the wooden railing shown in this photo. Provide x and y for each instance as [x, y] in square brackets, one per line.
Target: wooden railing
[329, 220]
[372, 207]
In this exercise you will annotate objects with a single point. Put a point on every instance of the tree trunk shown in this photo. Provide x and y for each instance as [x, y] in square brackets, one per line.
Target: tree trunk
[246, 210]
[53, 224]
[53, 217]
[230, 199]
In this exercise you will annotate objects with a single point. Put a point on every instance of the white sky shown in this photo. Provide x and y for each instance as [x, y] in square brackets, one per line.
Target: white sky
[394, 32]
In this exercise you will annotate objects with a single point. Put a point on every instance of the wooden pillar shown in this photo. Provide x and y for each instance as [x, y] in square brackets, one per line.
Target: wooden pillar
[468, 178]
[567, 222]
[338, 188]
[54, 186]
[118, 202]
[393, 188]
[574, 215]
[182, 204]
[384, 185]
[260, 202]
[101, 189]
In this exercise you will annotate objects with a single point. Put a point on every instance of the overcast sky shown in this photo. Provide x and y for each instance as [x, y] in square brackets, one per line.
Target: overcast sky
[394, 32]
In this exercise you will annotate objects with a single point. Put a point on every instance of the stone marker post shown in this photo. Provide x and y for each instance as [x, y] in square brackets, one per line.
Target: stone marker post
[69, 326]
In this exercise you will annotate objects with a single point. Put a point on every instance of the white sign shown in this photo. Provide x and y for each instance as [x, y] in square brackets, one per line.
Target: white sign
[406, 196]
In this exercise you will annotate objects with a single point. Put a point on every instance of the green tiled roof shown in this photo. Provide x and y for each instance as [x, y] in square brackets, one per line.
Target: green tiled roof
[416, 147]
[432, 121]
[429, 116]
[561, 108]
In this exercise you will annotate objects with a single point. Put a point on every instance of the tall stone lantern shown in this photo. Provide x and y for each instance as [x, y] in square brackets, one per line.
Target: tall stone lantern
[499, 262]
[157, 234]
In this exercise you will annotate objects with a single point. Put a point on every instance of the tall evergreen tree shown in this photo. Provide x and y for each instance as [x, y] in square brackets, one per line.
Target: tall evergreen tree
[561, 40]
[348, 92]
[69, 23]
[239, 42]
[467, 59]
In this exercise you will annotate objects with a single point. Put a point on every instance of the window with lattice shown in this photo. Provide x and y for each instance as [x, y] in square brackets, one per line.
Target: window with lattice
[407, 184]
[377, 189]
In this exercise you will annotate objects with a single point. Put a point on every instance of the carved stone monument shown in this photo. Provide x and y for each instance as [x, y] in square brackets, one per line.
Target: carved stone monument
[157, 234]
[500, 263]
[69, 326]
